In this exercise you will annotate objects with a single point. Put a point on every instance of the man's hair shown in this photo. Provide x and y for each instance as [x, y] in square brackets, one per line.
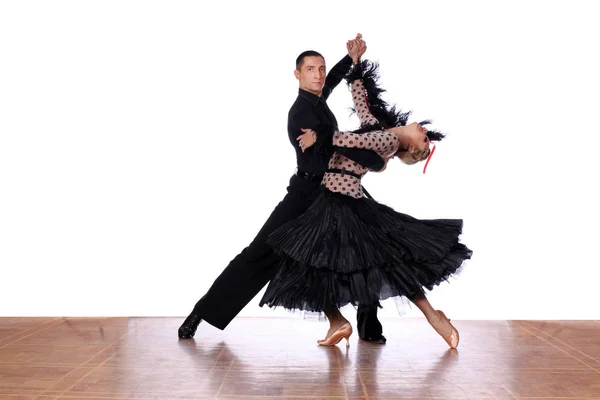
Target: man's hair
[307, 53]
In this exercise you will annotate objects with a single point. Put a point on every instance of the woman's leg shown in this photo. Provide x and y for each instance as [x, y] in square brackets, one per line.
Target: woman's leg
[437, 320]
[336, 320]
[339, 328]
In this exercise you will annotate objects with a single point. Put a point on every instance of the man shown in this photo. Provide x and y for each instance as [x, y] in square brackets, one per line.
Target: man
[256, 265]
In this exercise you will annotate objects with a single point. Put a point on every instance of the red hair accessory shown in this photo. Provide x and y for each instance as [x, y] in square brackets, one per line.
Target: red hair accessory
[428, 158]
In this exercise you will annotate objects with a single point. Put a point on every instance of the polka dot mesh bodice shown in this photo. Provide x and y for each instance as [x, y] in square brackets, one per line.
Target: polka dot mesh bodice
[384, 143]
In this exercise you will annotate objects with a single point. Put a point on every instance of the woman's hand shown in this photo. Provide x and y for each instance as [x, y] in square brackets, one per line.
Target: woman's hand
[307, 139]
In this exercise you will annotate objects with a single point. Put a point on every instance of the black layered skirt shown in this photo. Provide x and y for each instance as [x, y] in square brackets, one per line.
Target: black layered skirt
[344, 250]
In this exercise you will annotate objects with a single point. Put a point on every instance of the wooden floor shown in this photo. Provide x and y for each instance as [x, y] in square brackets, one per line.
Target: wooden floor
[274, 358]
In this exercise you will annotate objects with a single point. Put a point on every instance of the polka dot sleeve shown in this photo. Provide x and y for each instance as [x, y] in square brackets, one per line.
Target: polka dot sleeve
[359, 97]
[382, 142]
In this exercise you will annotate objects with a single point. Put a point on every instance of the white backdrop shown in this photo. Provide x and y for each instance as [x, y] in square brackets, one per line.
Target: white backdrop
[144, 143]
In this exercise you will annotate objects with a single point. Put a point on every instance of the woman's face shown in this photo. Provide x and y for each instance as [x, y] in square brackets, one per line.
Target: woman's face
[418, 140]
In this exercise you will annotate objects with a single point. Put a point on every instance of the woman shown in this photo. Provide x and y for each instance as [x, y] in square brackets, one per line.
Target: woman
[348, 249]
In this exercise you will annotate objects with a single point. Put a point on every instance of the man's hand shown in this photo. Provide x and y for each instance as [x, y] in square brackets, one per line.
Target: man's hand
[356, 48]
[307, 139]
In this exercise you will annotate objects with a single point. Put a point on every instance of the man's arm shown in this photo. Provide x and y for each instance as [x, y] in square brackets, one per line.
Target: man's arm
[366, 158]
[356, 49]
[335, 76]
[304, 119]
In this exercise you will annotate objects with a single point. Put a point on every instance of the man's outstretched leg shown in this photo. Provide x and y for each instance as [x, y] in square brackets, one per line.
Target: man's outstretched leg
[237, 285]
[252, 269]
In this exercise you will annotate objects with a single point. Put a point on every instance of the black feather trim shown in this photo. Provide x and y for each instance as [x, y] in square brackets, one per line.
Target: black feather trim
[386, 115]
[433, 135]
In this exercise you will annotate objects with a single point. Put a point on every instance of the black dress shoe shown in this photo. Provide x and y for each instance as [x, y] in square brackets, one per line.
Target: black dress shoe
[187, 330]
[376, 340]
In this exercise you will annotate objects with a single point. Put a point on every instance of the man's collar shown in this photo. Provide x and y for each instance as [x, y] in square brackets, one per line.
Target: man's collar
[313, 98]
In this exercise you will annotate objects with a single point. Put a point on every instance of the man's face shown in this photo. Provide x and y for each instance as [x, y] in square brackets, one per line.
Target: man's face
[312, 74]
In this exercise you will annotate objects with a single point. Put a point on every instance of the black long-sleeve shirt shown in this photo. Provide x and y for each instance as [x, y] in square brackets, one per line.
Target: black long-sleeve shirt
[311, 111]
